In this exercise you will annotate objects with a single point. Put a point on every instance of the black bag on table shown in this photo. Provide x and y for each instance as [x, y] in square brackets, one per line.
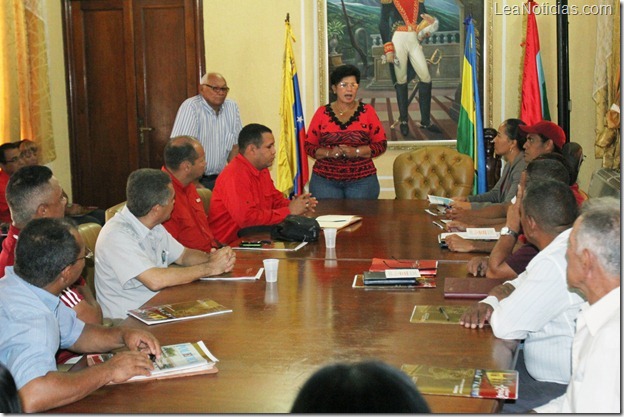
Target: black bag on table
[295, 228]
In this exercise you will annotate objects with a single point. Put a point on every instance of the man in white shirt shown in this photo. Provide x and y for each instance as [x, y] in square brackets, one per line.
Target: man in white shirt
[594, 269]
[134, 250]
[537, 306]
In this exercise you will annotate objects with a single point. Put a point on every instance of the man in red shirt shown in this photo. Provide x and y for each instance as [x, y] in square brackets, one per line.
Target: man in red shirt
[244, 194]
[10, 161]
[185, 162]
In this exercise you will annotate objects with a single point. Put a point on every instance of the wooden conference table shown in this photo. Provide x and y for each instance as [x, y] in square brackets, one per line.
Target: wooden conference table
[279, 334]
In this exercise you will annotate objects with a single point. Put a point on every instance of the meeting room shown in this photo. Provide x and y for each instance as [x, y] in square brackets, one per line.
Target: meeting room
[329, 206]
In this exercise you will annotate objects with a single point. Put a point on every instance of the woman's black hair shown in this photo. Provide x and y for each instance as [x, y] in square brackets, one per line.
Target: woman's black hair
[365, 387]
[342, 71]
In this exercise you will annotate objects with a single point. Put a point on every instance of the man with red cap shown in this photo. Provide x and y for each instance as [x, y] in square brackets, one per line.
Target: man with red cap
[542, 137]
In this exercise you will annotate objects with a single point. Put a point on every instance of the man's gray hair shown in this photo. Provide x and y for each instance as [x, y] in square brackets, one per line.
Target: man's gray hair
[147, 187]
[599, 232]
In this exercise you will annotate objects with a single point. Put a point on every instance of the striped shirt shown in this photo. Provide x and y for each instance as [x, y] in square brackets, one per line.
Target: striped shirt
[542, 311]
[217, 132]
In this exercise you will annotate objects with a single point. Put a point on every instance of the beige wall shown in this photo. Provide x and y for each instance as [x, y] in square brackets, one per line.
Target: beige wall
[245, 42]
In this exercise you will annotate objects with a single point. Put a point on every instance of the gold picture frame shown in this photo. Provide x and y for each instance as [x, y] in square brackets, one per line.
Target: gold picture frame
[486, 61]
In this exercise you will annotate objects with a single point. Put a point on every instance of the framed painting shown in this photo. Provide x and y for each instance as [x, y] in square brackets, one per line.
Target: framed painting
[349, 32]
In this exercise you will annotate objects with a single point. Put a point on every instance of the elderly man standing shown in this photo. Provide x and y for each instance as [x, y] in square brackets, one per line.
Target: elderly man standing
[49, 257]
[538, 306]
[188, 224]
[214, 120]
[133, 251]
[245, 195]
[594, 260]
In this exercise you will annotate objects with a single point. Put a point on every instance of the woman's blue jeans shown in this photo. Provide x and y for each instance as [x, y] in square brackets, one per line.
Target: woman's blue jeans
[363, 189]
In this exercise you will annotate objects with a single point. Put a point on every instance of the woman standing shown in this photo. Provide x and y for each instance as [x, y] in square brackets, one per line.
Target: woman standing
[343, 137]
[508, 144]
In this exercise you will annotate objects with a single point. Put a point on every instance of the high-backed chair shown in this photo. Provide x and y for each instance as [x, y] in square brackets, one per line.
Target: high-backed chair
[110, 212]
[89, 233]
[205, 194]
[433, 170]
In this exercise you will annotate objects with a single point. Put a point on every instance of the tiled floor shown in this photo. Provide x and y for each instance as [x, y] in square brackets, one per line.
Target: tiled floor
[385, 105]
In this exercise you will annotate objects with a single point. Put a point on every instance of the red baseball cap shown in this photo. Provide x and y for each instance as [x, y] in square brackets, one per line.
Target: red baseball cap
[547, 129]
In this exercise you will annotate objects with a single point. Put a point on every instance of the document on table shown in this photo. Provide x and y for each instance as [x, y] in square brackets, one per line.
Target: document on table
[336, 221]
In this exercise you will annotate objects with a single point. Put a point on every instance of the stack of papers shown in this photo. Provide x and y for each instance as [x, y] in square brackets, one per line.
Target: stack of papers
[336, 221]
[444, 201]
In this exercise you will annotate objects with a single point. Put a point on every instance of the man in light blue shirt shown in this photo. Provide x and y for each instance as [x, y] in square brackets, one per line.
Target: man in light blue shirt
[213, 120]
[49, 257]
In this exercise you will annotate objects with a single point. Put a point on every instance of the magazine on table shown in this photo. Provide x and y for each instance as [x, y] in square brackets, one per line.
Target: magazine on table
[464, 382]
[185, 310]
[182, 359]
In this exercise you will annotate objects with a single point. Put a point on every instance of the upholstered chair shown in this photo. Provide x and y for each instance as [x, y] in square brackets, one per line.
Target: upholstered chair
[433, 170]
[111, 211]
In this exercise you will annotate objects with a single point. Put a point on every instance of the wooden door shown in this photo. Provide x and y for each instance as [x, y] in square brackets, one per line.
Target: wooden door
[130, 64]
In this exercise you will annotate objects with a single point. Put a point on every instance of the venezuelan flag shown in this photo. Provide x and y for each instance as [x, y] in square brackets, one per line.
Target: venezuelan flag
[534, 106]
[470, 124]
[292, 161]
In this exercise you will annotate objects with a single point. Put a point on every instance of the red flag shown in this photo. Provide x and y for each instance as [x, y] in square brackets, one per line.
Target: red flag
[534, 99]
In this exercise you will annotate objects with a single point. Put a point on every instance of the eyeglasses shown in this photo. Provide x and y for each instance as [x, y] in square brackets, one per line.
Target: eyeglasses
[223, 90]
[343, 84]
[88, 255]
[14, 159]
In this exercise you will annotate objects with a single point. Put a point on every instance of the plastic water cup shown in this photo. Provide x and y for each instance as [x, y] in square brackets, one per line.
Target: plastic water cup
[330, 237]
[270, 269]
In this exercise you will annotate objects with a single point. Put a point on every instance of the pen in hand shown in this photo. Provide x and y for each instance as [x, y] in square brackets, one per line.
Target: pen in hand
[438, 224]
[443, 311]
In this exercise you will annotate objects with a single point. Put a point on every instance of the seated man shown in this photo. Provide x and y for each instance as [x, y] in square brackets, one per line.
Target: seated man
[503, 261]
[34, 193]
[245, 195]
[594, 258]
[565, 172]
[538, 306]
[133, 250]
[49, 257]
[184, 162]
[10, 161]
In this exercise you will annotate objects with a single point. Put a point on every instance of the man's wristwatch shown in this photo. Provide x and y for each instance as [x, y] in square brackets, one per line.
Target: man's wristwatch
[506, 231]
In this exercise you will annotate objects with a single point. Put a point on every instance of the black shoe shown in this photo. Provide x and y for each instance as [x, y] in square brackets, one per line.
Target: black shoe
[404, 128]
[430, 127]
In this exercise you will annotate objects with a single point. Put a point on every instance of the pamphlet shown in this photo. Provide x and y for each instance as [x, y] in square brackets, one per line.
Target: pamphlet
[179, 311]
[271, 245]
[437, 314]
[426, 267]
[464, 382]
[336, 221]
[176, 360]
[434, 199]
[474, 233]
[236, 276]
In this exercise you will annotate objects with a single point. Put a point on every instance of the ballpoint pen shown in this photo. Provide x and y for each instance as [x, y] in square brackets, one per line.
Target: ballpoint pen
[438, 224]
[443, 311]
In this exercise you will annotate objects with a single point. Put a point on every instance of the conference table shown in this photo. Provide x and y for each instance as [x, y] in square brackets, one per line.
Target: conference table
[279, 334]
